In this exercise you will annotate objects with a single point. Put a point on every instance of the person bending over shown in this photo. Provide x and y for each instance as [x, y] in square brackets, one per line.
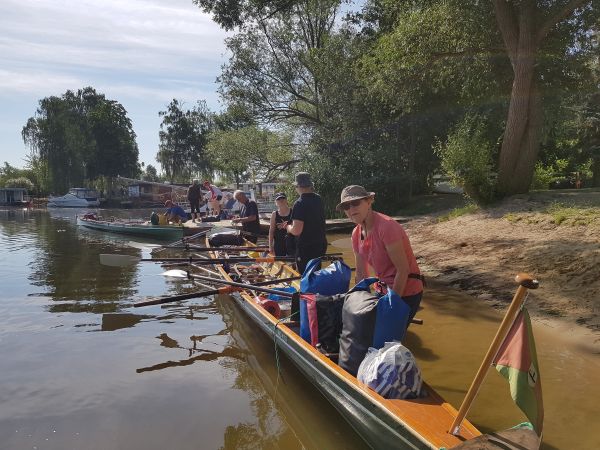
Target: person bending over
[378, 241]
[248, 216]
[175, 213]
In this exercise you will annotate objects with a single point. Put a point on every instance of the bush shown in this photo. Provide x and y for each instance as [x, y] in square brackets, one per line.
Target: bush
[20, 182]
[467, 157]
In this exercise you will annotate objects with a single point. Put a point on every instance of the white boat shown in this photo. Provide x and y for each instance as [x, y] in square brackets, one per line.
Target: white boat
[75, 198]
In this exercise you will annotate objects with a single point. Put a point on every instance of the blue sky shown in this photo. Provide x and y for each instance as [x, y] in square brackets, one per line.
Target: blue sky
[142, 53]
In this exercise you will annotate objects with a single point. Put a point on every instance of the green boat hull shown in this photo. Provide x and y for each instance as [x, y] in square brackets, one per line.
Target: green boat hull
[171, 232]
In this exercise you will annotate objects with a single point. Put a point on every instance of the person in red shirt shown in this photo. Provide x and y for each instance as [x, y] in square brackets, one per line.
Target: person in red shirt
[380, 243]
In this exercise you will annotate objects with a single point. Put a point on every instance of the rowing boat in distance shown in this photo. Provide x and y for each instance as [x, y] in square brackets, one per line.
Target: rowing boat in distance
[421, 423]
[140, 228]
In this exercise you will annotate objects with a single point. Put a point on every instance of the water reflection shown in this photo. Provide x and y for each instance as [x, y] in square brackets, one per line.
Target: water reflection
[276, 385]
[52, 255]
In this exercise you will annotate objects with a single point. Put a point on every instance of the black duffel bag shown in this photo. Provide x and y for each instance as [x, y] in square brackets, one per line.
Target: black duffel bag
[358, 317]
[225, 238]
[329, 316]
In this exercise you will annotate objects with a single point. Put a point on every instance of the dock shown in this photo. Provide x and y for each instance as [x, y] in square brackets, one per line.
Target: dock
[331, 225]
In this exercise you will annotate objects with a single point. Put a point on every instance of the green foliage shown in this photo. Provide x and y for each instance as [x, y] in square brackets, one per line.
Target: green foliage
[150, 174]
[467, 157]
[570, 215]
[77, 137]
[251, 153]
[20, 182]
[545, 175]
[11, 176]
[457, 212]
[183, 138]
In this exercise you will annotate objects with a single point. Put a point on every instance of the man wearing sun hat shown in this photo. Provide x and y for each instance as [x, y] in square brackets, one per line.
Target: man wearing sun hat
[308, 222]
[379, 242]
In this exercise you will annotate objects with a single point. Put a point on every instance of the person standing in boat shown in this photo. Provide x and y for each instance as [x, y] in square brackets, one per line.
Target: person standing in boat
[378, 241]
[280, 242]
[214, 197]
[193, 195]
[308, 222]
[248, 216]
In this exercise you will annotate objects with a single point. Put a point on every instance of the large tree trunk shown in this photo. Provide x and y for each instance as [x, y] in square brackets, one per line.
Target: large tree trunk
[521, 141]
[523, 30]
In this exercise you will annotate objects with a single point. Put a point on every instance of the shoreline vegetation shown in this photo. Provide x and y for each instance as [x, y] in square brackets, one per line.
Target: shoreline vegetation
[553, 235]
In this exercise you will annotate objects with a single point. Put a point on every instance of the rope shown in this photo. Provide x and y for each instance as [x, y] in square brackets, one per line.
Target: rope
[279, 375]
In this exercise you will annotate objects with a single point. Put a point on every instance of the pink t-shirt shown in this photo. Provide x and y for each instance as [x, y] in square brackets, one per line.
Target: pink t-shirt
[373, 251]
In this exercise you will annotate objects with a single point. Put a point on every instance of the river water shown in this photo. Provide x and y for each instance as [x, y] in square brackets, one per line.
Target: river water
[80, 368]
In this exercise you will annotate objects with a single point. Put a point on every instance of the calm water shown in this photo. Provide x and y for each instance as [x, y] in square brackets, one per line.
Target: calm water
[81, 369]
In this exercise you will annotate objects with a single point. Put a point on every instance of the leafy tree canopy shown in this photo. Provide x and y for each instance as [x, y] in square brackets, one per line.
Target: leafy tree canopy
[80, 136]
[251, 153]
[183, 137]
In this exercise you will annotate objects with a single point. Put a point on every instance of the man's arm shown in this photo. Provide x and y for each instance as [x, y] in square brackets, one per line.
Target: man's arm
[296, 227]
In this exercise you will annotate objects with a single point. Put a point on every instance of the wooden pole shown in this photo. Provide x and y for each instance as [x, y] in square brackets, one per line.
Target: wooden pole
[525, 282]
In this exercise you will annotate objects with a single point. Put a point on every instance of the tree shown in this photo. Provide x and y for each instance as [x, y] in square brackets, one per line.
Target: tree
[251, 153]
[271, 72]
[80, 136]
[183, 138]
[20, 182]
[530, 29]
[150, 174]
[441, 53]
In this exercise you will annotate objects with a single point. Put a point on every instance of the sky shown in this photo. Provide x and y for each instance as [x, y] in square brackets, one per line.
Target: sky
[141, 53]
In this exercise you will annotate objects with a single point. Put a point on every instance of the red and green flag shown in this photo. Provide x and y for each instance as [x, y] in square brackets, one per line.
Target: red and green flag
[517, 362]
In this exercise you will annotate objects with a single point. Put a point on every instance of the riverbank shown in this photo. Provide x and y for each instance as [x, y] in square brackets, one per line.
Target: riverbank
[553, 235]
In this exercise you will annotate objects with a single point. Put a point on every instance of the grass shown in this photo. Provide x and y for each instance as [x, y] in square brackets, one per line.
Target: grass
[457, 212]
[569, 215]
[559, 214]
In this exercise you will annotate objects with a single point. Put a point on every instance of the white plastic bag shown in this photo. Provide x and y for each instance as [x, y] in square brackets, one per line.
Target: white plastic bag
[391, 371]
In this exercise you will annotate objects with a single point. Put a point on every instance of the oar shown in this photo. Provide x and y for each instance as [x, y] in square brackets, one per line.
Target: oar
[177, 298]
[222, 290]
[198, 248]
[115, 260]
[184, 274]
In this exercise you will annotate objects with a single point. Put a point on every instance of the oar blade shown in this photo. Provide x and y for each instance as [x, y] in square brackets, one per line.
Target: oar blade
[175, 273]
[107, 259]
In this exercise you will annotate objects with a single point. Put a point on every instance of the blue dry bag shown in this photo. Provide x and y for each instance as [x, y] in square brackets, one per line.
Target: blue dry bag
[391, 319]
[331, 280]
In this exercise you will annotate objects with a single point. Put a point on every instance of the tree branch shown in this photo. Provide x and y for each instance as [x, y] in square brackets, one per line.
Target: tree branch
[560, 15]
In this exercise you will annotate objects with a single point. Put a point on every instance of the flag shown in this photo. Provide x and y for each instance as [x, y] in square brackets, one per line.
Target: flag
[517, 362]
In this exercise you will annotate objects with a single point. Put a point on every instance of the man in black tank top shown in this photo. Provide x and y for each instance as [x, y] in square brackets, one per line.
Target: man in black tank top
[308, 222]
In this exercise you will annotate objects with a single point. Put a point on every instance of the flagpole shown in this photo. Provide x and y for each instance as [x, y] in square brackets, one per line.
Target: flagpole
[525, 282]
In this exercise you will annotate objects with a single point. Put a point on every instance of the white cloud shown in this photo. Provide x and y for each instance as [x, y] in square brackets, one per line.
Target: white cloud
[142, 53]
[133, 38]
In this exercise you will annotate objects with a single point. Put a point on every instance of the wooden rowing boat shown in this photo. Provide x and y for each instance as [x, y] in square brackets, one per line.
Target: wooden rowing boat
[405, 424]
[140, 228]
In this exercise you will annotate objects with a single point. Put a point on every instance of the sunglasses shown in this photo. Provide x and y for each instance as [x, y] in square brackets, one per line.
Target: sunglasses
[352, 204]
